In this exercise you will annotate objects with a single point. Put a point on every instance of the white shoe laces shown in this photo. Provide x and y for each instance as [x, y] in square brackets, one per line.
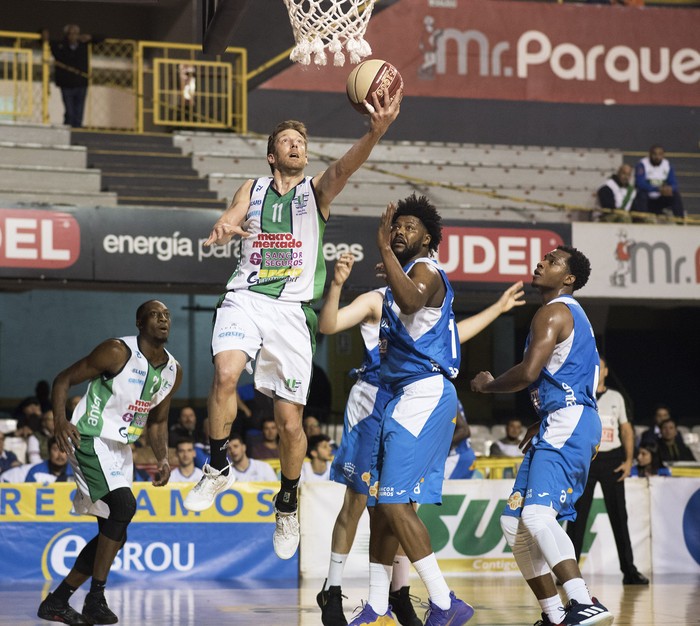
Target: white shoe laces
[287, 524]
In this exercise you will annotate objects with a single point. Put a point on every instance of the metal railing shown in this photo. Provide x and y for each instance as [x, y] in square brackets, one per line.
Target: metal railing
[132, 85]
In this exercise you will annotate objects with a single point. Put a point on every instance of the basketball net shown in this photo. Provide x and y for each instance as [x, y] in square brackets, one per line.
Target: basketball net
[342, 23]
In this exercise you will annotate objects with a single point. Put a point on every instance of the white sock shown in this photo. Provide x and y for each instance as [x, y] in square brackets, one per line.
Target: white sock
[335, 569]
[400, 572]
[575, 589]
[429, 572]
[553, 609]
[379, 587]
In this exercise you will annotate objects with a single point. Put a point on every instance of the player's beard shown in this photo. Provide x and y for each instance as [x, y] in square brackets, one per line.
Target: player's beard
[408, 253]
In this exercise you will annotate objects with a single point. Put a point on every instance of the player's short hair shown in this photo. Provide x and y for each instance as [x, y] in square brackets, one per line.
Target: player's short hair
[579, 265]
[237, 436]
[425, 211]
[296, 125]
[142, 308]
[314, 443]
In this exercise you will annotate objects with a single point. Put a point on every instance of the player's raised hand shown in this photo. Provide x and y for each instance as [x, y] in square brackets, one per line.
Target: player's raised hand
[223, 232]
[383, 112]
[513, 296]
[385, 223]
[343, 267]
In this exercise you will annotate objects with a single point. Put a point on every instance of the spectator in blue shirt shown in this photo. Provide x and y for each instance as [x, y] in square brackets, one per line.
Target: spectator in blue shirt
[657, 188]
[8, 458]
[54, 469]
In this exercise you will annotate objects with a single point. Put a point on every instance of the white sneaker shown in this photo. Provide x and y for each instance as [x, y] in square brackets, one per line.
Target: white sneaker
[286, 537]
[202, 495]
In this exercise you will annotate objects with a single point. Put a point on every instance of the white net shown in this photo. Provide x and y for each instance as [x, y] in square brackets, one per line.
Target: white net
[329, 24]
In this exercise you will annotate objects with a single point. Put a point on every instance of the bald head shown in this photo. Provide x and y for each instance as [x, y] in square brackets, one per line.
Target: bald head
[624, 175]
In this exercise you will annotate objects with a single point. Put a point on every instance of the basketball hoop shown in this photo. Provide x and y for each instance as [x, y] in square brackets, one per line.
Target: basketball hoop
[331, 24]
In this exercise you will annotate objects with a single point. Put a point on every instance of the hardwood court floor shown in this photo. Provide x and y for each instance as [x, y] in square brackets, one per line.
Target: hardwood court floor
[499, 601]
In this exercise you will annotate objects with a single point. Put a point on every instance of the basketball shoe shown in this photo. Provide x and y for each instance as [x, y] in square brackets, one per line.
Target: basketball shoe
[586, 614]
[286, 537]
[96, 611]
[55, 610]
[401, 605]
[368, 617]
[459, 613]
[202, 495]
[545, 621]
[330, 601]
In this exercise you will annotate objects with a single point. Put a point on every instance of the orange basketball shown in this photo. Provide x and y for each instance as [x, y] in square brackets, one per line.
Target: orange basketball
[373, 76]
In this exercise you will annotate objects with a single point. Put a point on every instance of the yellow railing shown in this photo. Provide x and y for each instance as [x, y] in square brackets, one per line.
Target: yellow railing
[133, 85]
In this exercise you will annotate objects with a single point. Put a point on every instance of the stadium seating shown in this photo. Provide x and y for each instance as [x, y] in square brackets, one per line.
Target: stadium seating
[38, 165]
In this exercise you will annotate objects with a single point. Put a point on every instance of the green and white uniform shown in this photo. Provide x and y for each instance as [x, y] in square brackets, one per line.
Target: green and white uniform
[112, 414]
[266, 309]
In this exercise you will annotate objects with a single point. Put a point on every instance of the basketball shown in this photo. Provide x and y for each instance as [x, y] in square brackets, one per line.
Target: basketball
[369, 77]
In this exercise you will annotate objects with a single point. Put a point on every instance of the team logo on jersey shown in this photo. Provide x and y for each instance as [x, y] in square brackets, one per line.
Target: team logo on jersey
[128, 417]
[515, 501]
[300, 203]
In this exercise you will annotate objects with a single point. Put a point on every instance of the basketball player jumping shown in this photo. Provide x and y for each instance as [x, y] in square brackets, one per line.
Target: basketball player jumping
[265, 313]
[560, 369]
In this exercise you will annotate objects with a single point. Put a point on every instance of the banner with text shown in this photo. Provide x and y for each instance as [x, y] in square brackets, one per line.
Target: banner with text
[41, 537]
[528, 51]
[465, 531]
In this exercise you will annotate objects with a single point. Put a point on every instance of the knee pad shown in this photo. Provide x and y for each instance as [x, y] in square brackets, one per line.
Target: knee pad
[555, 544]
[526, 552]
[122, 508]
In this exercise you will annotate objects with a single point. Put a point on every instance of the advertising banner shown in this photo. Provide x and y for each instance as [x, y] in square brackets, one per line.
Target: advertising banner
[528, 51]
[675, 525]
[640, 260]
[147, 246]
[465, 531]
[41, 537]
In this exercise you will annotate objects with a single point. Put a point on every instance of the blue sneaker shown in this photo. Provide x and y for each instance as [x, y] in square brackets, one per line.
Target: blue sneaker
[459, 613]
[587, 614]
[368, 617]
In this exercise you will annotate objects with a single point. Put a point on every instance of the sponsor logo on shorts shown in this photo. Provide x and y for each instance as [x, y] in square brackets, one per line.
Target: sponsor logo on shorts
[515, 501]
[400, 492]
[137, 381]
[386, 492]
[374, 489]
[231, 331]
[292, 384]
[116, 473]
[138, 372]
[366, 477]
[416, 489]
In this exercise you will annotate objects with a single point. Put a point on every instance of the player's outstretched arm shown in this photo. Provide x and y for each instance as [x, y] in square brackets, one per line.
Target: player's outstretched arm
[158, 433]
[473, 325]
[231, 221]
[331, 182]
[108, 357]
[366, 307]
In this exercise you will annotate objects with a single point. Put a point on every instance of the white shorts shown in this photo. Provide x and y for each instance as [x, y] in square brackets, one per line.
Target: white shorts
[100, 466]
[280, 336]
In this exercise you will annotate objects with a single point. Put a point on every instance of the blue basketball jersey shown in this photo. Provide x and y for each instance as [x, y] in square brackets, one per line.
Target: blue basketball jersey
[369, 370]
[418, 345]
[570, 377]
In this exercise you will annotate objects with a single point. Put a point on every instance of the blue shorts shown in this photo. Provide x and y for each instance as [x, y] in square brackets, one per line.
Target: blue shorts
[417, 429]
[555, 469]
[461, 462]
[363, 412]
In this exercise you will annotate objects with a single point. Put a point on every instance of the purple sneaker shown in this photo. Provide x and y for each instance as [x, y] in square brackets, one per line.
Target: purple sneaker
[368, 617]
[459, 613]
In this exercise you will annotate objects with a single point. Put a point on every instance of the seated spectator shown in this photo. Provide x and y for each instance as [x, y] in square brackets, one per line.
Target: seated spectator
[185, 428]
[245, 468]
[55, 469]
[648, 462]
[509, 445]
[617, 195]
[8, 458]
[43, 394]
[461, 459]
[652, 435]
[657, 188]
[186, 471]
[672, 449]
[321, 454]
[45, 433]
[27, 425]
[312, 427]
[201, 448]
[268, 447]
